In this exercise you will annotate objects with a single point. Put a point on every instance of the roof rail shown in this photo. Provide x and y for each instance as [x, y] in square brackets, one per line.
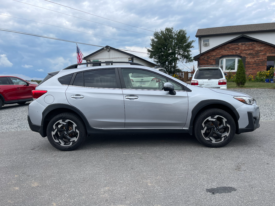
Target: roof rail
[98, 62]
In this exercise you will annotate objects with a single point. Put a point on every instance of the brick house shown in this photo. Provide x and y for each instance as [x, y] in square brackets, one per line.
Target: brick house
[224, 46]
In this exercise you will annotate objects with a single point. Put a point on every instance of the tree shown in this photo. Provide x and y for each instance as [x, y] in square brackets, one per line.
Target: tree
[168, 47]
[240, 74]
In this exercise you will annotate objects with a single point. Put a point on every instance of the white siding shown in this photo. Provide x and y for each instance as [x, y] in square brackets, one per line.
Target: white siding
[217, 40]
[113, 55]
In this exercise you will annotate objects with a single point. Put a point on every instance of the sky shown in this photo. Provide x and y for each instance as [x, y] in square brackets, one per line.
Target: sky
[123, 24]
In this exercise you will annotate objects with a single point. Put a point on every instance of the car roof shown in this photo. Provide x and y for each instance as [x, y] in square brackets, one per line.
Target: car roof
[105, 67]
[209, 68]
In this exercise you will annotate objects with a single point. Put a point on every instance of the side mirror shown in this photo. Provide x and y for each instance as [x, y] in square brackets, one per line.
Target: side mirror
[225, 74]
[169, 87]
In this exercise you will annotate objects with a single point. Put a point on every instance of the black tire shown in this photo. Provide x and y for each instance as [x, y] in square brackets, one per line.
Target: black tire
[214, 128]
[21, 103]
[66, 132]
[1, 103]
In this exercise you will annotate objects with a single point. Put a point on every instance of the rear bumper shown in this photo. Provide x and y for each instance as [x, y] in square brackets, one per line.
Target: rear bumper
[34, 127]
[253, 123]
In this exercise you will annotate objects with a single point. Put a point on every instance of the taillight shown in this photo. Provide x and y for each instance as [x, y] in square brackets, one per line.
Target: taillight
[194, 82]
[155, 79]
[38, 93]
[222, 82]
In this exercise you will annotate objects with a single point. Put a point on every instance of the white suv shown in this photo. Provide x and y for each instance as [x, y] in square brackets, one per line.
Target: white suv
[211, 77]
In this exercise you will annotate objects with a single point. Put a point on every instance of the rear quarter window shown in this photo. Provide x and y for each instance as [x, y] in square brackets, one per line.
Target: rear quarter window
[208, 74]
[65, 80]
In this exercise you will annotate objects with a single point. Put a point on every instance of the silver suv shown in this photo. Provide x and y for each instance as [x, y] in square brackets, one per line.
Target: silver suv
[76, 102]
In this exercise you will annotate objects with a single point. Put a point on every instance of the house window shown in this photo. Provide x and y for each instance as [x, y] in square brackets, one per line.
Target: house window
[229, 64]
[205, 42]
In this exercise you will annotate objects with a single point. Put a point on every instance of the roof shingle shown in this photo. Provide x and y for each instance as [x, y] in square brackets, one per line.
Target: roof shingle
[240, 29]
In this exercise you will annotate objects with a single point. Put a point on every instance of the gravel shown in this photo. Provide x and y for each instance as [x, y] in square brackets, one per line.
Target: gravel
[265, 99]
[14, 117]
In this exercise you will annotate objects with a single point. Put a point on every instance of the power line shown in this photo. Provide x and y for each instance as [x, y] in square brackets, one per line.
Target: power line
[69, 15]
[97, 15]
[47, 24]
[75, 42]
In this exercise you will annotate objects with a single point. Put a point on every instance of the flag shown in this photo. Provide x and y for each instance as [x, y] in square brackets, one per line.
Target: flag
[79, 55]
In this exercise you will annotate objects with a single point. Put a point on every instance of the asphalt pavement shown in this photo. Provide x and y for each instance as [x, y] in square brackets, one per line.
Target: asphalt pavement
[157, 169]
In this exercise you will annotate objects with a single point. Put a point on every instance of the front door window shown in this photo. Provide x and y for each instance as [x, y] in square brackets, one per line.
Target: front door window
[142, 79]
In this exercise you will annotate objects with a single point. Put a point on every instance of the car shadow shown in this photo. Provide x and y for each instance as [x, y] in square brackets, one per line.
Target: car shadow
[12, 106]
[134, 140]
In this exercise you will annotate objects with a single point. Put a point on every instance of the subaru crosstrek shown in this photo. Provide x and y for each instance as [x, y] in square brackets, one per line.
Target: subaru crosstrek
[76, 102]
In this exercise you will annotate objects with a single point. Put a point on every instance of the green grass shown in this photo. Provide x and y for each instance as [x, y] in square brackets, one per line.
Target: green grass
[250, 85]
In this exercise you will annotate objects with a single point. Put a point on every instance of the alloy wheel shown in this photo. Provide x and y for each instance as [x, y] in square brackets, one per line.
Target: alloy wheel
[215, 129]
[65, 132]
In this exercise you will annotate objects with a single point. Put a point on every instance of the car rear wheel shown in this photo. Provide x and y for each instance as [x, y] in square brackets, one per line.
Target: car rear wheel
[215, 128]
[21, 103]
[66, 132]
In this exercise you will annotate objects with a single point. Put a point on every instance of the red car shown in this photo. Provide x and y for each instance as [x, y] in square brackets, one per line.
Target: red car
[15, 90]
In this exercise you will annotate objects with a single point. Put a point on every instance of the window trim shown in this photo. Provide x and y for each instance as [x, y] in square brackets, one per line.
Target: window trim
[183, 88]
[224, 61]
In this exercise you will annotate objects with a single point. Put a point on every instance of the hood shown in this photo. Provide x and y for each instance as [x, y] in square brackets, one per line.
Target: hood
[232, 93]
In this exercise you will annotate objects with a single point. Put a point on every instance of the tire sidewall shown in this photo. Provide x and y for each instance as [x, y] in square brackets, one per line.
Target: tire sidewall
[211, 112]
[1, 102]
[80, 126]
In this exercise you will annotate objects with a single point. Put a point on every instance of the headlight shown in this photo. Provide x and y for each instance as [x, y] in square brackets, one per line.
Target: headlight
[246, 100]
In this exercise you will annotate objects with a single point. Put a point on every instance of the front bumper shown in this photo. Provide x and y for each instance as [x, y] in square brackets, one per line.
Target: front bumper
[253, 123]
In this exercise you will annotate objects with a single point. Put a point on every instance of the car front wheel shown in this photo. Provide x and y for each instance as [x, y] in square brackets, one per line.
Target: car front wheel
[215, 128]
[66, 132]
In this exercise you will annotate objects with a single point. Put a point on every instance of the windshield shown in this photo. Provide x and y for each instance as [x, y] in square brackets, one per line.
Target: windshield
[208, 74]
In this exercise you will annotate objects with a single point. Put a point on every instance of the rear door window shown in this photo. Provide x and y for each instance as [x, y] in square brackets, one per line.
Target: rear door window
[4, 81]
[101, 78]
[208, 74]
[78, 80]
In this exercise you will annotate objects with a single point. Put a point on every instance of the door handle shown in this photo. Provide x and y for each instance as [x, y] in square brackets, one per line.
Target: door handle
[131, 97]
[77, 96]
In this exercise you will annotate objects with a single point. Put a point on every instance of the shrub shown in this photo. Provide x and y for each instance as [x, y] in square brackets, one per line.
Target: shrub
[228, 76]
[250, 78]
[240, 74]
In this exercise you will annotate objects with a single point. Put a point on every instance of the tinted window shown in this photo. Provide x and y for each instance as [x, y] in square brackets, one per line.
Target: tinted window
[142, 79]
[208, 74]
[78, 80]
[17, 81]
[102, 78]
[4, 81]
[65, 79]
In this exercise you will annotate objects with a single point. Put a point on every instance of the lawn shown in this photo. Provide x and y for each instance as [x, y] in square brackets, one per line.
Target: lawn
[249, 85]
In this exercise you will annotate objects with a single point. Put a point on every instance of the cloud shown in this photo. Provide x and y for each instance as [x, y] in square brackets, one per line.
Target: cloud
[59, 63]
[27, 66]
[22, 76]
[40, 70]
[4, 62]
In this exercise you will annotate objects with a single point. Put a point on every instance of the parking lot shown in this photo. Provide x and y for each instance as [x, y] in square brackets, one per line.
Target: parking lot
[138, 169]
